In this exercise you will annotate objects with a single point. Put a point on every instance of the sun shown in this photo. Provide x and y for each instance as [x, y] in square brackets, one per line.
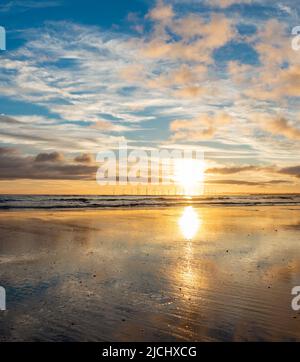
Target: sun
[189, 173]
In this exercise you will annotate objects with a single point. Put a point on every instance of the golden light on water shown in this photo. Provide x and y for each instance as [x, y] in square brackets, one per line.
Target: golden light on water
[189, 173]
[189, 223]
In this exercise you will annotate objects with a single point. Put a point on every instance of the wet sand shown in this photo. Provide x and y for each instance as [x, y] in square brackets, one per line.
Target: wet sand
[173, 274]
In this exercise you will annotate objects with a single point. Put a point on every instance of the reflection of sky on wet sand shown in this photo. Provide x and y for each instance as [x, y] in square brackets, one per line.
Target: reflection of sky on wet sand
[159, 275]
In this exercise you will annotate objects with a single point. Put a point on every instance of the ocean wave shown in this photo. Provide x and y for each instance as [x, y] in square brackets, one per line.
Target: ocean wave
[85, 202]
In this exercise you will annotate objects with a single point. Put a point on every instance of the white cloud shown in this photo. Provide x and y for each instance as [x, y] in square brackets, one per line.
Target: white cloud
[84, 74]
[23, 5]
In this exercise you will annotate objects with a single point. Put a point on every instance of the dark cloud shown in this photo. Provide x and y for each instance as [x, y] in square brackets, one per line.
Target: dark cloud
[49, 157]
[230, 170]
[237, 169]
[7, 151]
[291, 171]
[15, 166]
[84, 158]
[277, 182]
[53, 166]
[248, 183]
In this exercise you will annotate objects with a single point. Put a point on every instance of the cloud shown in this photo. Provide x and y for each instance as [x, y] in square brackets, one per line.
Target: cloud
[290, 81]
[106, 126]
[285, 84]
[191, 91]
[185, 81]
[272, 43]
[282, 127]
[285, 9]
[99, 84]
[15, 166]
[292, 171]
[9, 120]
[36, 76]
[40, 134]
[202, 127]
[119, 89]
[23, 5]
[232, 170]
[198, 38]
[84, 158]
[223, 4]
[255, 170]
[210, 34]
[49, 157]
[249, 183]
[161, 12]
[133, 72]
[7, 151]
[239, 73]
[227, 3]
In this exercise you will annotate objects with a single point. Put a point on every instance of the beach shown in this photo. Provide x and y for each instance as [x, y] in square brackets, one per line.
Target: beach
[180, 273]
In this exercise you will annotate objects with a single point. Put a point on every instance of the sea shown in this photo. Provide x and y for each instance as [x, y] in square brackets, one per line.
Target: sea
[8, 202]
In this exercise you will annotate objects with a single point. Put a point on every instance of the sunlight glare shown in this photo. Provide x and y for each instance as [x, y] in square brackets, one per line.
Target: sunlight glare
[189, 223]
[189, 173]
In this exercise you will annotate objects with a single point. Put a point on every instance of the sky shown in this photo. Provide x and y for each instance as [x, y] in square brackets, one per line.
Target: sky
[78, 77]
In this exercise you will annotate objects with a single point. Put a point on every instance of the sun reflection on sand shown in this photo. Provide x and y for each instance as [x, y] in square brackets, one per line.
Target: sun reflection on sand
[189, 223]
